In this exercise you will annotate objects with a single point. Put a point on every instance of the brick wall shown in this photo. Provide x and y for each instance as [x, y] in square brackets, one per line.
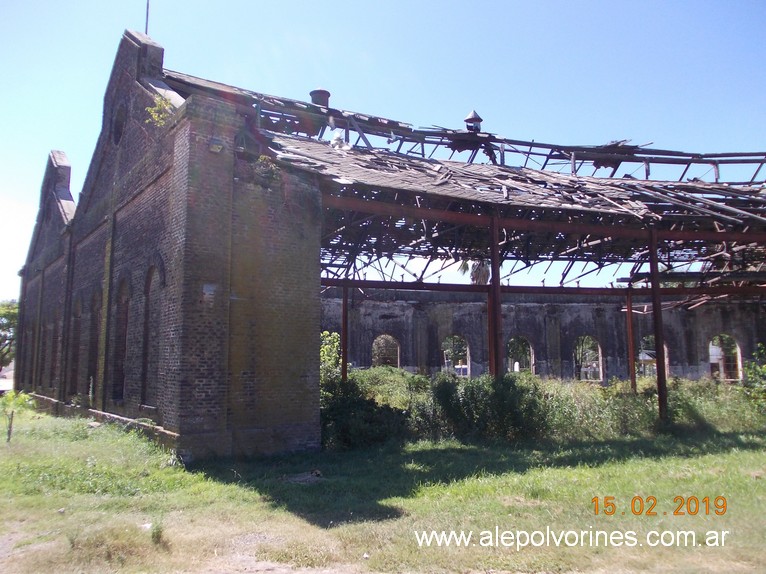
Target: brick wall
[420, 322]
[274, 336]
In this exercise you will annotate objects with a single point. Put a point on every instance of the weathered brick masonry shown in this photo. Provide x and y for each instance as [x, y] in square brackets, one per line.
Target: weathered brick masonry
[420, 321]
[169, 293]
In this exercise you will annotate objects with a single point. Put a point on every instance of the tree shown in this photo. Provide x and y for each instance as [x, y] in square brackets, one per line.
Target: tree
[9, 320]
[479, 271]
[587, 359]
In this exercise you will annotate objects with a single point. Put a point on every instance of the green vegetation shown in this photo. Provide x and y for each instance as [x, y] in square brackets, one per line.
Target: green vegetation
[12, 402]
[9, 320]
[520, 454]
[84, 498]
[755, 376]
[160, 112]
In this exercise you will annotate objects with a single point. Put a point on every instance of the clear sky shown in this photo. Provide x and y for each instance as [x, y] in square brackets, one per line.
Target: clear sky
[685, 75]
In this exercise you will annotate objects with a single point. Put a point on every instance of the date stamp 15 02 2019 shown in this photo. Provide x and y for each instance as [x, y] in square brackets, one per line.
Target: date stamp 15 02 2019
[647, 506]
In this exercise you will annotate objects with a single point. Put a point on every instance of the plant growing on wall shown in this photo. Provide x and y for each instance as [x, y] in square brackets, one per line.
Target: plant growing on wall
[160, 112]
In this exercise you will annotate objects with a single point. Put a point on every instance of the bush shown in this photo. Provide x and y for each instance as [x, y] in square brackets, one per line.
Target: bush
[755, 376]
[349, 417]
[384, 403]
[486, 407]
[351, 420]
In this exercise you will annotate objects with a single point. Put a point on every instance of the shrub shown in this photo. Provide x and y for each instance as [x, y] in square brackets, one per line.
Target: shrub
[10, 403]
[755, 376]
[351, 420]
[486, 407]
[349, 416]
[329, 356]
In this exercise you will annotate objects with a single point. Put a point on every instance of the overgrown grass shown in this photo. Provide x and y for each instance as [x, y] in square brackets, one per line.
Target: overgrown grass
[524, 406]
[80, 499]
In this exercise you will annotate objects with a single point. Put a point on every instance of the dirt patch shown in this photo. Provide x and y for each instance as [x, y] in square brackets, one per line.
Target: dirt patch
[519, 501]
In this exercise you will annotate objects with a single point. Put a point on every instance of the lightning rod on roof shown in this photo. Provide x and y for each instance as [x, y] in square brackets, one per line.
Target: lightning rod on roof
[146, 26]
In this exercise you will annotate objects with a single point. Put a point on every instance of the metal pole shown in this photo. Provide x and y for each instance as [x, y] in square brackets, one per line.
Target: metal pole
[495, 303]
[344, 338]
[146, 27]
[631, 344]
[659, 339]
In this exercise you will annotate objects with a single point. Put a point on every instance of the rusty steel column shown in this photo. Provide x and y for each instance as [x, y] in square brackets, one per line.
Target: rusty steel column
[629, 334]
[344, 337]
[495, 303]
[659, 339]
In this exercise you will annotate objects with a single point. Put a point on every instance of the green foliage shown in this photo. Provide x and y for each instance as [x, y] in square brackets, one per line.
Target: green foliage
[160, 112]
[351, 420]
[9, 320]
[521, 406]
[329, 357]
[12, 402]
[490, 408]
[754, 381]
[392, 386]
[350, 416]
[455, 349]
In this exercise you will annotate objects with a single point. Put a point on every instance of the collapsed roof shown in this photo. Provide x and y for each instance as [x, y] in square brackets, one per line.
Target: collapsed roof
[388, 193]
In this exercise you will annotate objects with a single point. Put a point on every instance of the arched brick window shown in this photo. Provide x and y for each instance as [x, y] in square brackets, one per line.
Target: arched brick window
[94, 334]
[120, 340]
[151, 341]
[587, 359]
[725, 363]
[74, 366]
[457, 356]
[520, 355]
[385, 351]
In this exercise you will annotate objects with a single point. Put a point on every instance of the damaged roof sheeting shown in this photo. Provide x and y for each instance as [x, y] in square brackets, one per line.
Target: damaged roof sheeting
[558, 203]
[565, 210]
[644, 201]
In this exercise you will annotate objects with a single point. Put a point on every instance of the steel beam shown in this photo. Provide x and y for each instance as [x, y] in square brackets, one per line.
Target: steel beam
[479, 220]
[659, 334]
[537, 290]
[344, 337]
[495, 310]
[630, 341]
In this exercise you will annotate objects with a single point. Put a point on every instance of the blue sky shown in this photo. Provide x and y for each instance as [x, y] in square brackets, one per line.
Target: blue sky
[684, 75]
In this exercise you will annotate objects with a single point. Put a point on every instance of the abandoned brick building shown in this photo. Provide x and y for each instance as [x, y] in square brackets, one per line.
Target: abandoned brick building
[186, 284]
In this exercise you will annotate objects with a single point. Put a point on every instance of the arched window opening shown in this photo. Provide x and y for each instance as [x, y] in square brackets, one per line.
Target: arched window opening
[53, 379]
[74, 370]
[94, 331]
[385, 351]
[646, 363]
[120, 341]
[520, 355]
[43, 360]
[725, 361]
[587, 359]
[457, 356]
[151, 348]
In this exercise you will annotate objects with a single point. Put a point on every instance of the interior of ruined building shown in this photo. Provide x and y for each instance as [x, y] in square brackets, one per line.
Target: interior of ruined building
[206, 252]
